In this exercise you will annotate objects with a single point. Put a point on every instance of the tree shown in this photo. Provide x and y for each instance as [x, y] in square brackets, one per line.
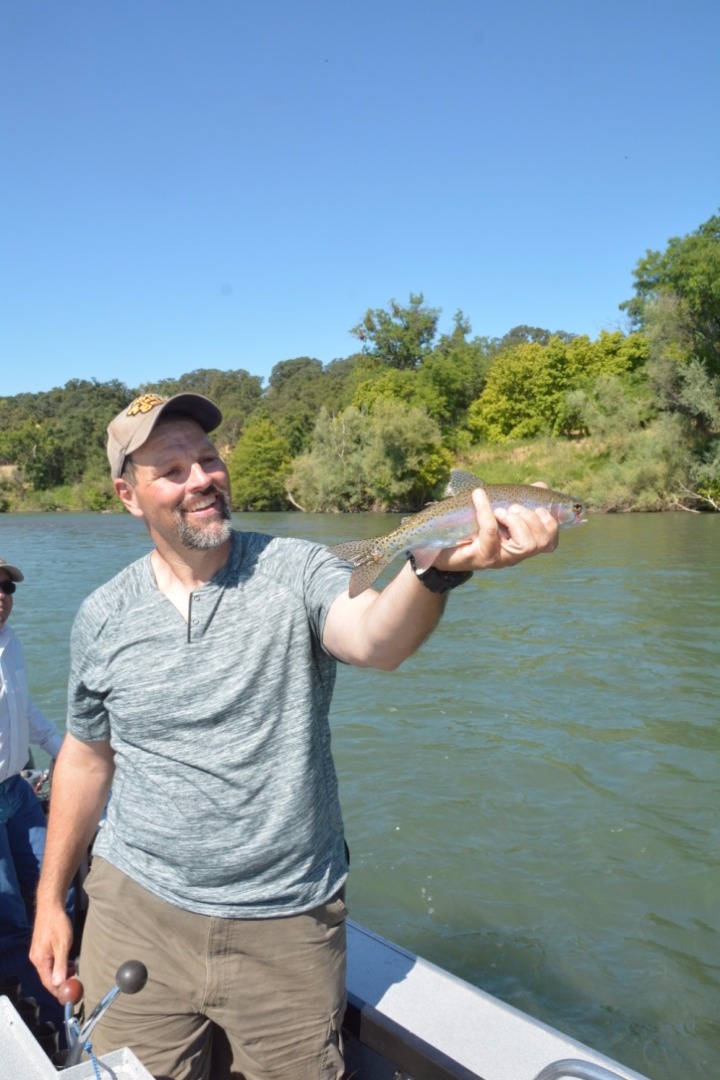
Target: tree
[405, 462]
[297, 390]
[687, 274]
[524, 335]
[400, 336]
[237, 393]
[331, 474]
[452, 376]
[258, 467]
[677, 305]
[391, 457]
[526, 393]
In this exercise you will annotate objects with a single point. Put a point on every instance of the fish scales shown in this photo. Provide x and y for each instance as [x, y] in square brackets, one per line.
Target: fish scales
[447, 523]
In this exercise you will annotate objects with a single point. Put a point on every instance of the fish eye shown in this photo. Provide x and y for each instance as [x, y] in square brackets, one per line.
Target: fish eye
[578, 507]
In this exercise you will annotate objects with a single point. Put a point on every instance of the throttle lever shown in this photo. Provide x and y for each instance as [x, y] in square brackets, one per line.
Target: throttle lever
[130, 978]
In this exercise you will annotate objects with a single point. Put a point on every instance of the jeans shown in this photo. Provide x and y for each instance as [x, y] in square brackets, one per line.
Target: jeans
[23, 828]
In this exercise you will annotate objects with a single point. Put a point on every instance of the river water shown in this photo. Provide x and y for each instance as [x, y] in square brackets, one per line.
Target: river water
[533, 800]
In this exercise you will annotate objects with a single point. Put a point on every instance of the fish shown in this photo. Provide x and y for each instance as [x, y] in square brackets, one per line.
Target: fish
[447, 523]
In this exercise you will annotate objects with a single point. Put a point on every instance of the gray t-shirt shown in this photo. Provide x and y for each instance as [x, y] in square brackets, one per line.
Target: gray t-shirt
[225, 798]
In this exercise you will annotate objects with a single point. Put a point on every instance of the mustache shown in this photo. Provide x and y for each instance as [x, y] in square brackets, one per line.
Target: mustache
[212, 491]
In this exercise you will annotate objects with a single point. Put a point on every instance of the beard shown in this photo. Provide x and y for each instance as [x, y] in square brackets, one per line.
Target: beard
[205, 535]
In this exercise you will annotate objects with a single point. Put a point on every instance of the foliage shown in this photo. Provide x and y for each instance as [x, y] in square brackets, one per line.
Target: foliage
[688, 274]
[677, 305]
[258, 466]
[401, 336]
[405, 462]
[632, 420]
[452, 376]
[359, 460]
[610, 406]
[523, 335]
[297, 390]
[237, 393]
[703, 484]
[331, 474]
[386, 384]
[526, 393]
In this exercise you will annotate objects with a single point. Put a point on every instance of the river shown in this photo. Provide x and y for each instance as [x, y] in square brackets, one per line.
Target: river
[532, 800]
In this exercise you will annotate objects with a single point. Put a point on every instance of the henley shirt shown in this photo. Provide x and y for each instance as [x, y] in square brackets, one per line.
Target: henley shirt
[224, 799]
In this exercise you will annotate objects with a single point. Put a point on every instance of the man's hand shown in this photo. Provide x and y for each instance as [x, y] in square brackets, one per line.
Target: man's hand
[51, 943]
[505, 537]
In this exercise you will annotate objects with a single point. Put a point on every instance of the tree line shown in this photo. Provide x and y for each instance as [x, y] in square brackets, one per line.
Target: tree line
[631, 419]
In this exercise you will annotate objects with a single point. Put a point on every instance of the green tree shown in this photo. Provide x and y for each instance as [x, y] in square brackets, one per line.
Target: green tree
[385, 384]
[687, 274]
[237, 393]
[389, 458]
[526, 393]
[452, 376]
[331, 474]
[524, 335]
[296, 392]
[33, 448]
[399, 336]
[405, 462]
[258, 467]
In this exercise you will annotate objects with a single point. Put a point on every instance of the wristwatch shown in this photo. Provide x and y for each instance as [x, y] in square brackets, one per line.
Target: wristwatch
[439, 581]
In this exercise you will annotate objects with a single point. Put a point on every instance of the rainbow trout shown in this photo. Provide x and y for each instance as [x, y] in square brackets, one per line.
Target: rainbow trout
[447, 523]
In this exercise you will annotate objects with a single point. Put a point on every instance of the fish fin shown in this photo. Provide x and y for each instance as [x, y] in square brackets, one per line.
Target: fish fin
[460, 481]
[366, 575]
[352, 551]
[368, 562]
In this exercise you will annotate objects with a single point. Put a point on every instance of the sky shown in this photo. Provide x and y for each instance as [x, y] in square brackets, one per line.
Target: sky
[191, 184]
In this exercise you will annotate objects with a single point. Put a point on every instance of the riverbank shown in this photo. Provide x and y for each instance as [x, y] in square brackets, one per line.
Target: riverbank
[615, 475]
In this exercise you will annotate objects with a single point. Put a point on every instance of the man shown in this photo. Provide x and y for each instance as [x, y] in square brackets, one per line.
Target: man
[200, 688]
[22, 818]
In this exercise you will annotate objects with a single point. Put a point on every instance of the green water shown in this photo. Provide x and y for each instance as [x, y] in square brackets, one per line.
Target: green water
[531, 801]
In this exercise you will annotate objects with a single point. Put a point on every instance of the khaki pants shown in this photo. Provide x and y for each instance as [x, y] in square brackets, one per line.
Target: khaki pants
[226, 999]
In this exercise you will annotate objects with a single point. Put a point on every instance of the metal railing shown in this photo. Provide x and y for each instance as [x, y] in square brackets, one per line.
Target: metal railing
[582, 1070]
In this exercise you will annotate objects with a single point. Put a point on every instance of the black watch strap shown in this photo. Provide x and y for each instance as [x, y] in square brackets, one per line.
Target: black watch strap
[439, 581]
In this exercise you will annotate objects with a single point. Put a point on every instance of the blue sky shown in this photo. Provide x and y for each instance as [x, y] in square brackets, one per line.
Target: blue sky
[221, 184]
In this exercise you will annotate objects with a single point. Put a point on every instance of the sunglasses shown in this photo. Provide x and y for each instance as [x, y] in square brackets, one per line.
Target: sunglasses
[8, 587]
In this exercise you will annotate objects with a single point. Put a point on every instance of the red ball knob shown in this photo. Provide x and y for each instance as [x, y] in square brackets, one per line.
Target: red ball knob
[70, 991]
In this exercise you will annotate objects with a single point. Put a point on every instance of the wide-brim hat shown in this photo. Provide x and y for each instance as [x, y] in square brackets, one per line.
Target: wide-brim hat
[12, 571]
[132, 427]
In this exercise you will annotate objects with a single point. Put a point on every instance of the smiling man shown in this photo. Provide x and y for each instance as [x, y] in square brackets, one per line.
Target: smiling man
[200, 690]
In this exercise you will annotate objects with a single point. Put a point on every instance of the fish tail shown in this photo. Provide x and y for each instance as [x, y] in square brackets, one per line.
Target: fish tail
[368, 561]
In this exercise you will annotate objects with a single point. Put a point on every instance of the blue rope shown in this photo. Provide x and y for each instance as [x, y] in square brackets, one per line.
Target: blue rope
[89, 1051]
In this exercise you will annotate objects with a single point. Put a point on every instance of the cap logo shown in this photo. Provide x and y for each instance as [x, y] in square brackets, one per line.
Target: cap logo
[145, 404]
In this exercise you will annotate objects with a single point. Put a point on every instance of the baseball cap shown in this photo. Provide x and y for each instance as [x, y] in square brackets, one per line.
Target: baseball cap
[12, 571]
[133, 426]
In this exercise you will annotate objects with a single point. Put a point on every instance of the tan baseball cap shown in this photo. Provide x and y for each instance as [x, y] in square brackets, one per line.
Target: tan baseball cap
[12, 571]
[132, 427]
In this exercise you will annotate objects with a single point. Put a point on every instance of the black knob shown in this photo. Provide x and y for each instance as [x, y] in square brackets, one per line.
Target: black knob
[131, 976]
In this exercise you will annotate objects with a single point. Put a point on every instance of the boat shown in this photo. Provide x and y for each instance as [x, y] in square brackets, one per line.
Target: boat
[406, 1019]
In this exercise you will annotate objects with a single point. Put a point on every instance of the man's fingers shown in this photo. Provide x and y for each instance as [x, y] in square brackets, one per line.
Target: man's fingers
[49, 951]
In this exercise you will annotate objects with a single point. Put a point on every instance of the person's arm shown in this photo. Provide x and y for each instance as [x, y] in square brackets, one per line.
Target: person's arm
[382, 629]
[43, 732]
[81, 782]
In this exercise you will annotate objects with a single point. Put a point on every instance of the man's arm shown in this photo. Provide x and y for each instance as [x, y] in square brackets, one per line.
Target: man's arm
[382, 629]
[80, 786]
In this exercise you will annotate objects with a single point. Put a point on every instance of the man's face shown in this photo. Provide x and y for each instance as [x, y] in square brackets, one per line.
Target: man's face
[180, 486]
[6, 602]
